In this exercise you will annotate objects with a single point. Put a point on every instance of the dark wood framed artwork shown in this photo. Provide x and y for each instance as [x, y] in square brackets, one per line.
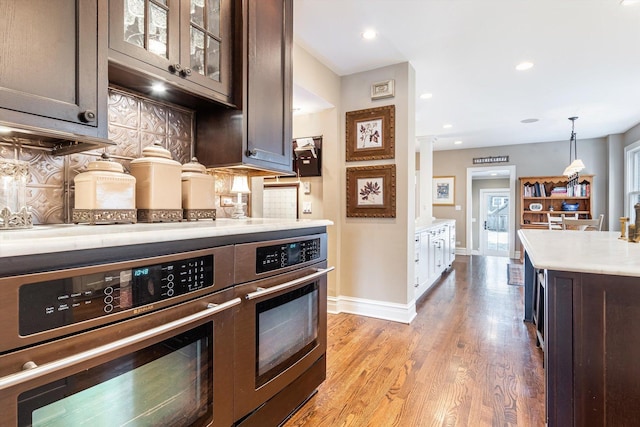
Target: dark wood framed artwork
[370, 133]
[371, 191]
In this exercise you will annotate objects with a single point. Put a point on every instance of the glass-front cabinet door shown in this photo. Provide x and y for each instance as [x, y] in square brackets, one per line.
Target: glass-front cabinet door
[146, 30]
[184, 42]
[205, 42]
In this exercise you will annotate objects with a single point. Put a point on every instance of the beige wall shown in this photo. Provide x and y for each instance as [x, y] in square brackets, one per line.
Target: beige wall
[547, 158]
[373, 256]
[377, 257]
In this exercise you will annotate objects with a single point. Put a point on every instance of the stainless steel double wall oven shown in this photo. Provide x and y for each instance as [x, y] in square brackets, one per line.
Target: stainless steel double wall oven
[207, 332]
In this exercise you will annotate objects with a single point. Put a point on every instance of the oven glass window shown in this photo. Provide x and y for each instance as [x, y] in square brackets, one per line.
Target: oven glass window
[165, 384]
[287, 328]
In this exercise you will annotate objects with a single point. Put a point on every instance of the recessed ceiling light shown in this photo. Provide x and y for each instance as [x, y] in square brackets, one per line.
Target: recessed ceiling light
[629, 2]
[447, 126]
[158, 87]
[457, 142]
[528, 121]
[524, 66]
[369, 34]
[426, 96]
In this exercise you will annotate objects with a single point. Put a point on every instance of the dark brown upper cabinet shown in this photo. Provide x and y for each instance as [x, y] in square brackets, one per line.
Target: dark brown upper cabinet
[185, 43]
[53, 66]
[257, 135]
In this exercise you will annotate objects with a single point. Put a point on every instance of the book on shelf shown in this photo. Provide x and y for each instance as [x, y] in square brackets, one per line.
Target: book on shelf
[579, 190]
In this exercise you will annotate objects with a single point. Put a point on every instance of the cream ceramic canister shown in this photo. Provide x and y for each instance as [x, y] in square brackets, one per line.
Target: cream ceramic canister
[104, 186]
[158, 180]
[198, 188]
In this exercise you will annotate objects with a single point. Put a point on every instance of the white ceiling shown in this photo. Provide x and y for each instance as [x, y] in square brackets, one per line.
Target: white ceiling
[586, 56]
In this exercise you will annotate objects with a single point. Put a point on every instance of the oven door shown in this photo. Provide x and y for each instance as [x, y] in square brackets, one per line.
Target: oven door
[280, 333]
[172, 367]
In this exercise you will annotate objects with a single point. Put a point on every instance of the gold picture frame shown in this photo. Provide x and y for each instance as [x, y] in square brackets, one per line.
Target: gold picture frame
[371, 191]
[444, 190]
[370, 134]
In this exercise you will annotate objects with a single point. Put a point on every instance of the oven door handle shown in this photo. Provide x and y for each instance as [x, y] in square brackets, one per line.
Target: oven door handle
[267, 291]
[32, 371]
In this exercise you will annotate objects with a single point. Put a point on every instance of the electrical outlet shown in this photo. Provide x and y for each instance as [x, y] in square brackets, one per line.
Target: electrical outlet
[306, 207]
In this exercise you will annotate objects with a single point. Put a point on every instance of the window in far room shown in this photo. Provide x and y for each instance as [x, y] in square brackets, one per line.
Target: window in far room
[632, 179]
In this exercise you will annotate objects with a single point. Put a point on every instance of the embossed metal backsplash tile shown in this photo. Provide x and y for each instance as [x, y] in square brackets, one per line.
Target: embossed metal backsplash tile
[134, 123]
[46, 185]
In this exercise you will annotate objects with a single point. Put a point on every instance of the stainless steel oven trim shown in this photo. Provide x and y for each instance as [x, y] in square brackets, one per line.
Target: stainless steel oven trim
[290, 284]
[32, 372]
[10, 338]
[222, 340]
[245, 255]
[248, 397]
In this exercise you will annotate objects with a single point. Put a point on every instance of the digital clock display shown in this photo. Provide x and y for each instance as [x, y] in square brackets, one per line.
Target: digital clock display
[141, 272]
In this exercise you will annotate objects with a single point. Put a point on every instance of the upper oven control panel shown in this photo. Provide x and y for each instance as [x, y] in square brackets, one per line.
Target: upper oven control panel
[258, 260]
[62, 301]
[269, 258]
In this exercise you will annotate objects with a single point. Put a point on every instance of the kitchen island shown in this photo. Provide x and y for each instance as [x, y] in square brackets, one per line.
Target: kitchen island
[37, 247]
[166, 324]
[588, 284]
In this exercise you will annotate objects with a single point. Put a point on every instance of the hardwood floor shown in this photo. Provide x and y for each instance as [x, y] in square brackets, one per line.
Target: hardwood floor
[467, 359]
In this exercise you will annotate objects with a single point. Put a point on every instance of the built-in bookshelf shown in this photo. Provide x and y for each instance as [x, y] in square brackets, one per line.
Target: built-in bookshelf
[550, 192]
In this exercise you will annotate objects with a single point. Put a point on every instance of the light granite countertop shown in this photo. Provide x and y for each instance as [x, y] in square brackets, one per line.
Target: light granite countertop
[66, 237]
[597, 252]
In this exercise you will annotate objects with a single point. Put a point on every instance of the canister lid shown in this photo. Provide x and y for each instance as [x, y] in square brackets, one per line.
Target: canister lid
[194, 166]
[105, 164]
[156, 150]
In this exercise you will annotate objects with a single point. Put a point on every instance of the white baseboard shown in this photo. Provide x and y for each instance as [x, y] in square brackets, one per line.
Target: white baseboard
[403, 313]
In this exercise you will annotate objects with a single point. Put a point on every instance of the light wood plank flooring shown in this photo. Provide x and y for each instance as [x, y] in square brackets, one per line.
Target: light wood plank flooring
[467, 359]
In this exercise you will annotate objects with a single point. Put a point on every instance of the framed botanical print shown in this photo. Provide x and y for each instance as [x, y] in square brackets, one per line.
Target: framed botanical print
[444, 190]
[370, 134]
[371, 191]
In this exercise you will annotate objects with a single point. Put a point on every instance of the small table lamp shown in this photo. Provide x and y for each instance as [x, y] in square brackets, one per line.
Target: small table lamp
[240, 186]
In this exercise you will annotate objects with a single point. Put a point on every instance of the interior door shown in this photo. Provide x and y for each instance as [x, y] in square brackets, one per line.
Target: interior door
[494, 222]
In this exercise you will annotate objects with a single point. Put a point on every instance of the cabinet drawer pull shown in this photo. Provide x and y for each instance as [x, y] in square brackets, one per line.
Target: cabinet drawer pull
[175, 68]
[185, 72]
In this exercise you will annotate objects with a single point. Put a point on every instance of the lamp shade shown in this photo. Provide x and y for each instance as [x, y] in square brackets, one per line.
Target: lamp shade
[240, 185]
[576, 166]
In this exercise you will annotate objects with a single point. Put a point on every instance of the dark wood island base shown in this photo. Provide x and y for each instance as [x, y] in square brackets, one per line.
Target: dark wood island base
[590, 328]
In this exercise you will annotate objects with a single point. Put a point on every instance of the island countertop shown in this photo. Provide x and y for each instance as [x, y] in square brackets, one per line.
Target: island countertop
[43, 239]
[597, 252]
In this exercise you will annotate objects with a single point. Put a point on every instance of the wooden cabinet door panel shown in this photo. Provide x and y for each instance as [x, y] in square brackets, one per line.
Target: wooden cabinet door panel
[607, 350]
[269, 82]
[50, 65]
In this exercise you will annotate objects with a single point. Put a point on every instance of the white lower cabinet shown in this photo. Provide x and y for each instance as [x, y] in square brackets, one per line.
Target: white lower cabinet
[435, 252]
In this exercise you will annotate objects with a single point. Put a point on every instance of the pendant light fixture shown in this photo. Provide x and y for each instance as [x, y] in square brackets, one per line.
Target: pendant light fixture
[575, 165]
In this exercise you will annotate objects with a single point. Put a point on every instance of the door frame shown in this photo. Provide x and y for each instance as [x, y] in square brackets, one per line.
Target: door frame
[512, 209]
[483, 217]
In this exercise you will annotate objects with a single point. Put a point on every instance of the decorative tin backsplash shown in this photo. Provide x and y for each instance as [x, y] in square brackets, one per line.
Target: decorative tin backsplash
[135, 122]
